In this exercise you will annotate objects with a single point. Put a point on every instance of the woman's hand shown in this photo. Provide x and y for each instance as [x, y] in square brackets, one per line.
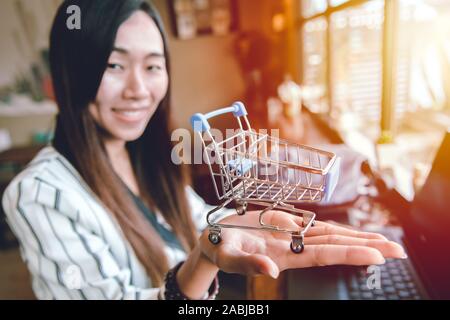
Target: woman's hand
[246, 251]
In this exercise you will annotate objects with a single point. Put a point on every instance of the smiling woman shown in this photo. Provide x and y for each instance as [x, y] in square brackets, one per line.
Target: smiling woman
[111, 85]
[103, 212]
[134, 82]
[96, 85]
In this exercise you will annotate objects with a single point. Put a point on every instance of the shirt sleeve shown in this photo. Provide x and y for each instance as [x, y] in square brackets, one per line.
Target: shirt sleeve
[66, 259]
[200, 209]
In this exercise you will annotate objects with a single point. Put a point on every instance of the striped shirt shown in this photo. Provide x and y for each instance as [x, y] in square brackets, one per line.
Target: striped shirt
[72, 246]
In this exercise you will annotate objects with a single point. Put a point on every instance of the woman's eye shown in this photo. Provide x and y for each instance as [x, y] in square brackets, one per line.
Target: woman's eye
[154, 68]
[114, 66]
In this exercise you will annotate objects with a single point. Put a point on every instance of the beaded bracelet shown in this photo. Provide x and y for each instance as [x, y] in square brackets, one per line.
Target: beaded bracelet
[172, 290]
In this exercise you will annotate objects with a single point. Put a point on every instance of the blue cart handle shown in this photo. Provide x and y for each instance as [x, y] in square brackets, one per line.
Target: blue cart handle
[199, 121]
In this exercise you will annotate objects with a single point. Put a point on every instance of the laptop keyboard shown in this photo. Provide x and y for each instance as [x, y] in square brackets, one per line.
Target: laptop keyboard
[396, 283]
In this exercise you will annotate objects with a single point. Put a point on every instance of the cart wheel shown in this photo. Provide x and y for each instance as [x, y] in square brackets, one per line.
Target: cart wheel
[298, 248]
[214, 238]
[242, 209]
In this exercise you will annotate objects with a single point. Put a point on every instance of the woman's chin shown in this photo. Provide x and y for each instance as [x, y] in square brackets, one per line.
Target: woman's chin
[130, 135]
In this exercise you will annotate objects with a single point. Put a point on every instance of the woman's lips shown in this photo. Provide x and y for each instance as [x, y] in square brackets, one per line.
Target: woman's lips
[131, 114]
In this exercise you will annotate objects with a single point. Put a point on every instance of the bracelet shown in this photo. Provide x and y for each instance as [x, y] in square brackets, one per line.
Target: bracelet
[172, 290]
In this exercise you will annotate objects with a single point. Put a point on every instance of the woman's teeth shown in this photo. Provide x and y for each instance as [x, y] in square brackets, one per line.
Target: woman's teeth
[130, 115]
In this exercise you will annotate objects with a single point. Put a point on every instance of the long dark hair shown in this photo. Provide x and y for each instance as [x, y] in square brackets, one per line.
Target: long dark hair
[78, 59]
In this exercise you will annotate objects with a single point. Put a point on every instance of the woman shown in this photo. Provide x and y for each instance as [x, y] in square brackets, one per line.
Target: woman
[103, 213]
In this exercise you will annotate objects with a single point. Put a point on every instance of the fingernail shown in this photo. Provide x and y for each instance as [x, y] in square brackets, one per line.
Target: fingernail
[274, 274]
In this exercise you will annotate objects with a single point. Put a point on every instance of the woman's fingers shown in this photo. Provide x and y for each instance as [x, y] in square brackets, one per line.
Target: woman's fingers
[292, 222]
[322, 228]
[388, 249]
[331, 254]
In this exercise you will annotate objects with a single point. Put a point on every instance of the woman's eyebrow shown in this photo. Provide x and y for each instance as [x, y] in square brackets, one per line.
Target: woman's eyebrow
[126, 52]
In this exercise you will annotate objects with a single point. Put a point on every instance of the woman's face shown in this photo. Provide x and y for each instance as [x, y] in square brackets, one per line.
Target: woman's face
[134, 82]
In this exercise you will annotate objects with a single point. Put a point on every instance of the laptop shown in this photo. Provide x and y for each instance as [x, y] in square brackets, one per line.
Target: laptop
[424, 232]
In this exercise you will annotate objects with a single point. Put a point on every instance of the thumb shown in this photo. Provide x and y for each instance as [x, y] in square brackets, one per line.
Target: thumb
[266, 265]
[235, 260]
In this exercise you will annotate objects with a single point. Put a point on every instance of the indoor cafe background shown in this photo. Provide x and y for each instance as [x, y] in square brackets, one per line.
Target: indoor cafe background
[373, 75]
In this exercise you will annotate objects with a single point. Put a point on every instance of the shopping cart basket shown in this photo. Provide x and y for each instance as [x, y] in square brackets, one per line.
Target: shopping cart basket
[255, 168]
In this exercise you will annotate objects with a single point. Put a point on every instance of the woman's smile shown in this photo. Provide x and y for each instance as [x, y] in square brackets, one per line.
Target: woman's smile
[131, 115]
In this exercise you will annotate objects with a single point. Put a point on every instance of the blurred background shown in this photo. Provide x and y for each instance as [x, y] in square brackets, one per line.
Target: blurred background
[370, 75]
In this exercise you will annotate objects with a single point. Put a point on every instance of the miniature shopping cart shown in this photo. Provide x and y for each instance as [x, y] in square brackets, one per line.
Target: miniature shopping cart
[255, 168]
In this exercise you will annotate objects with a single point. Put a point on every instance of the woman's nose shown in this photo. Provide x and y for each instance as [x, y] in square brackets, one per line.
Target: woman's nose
[136, 87]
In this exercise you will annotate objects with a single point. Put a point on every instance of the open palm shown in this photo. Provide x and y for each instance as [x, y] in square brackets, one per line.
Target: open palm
[261, 252]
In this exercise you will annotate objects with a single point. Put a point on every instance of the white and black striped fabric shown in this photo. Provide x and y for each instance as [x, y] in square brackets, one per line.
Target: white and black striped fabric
[72, 246]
